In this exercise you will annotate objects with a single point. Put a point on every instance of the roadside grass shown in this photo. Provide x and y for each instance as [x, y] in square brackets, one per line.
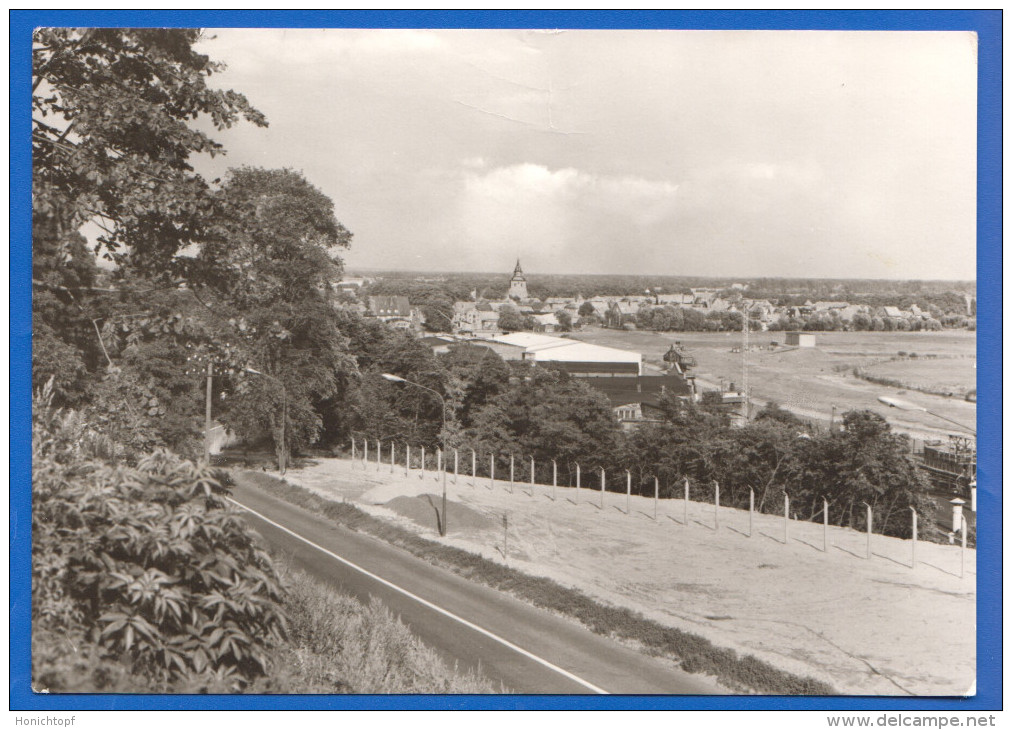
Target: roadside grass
[337, 645]
[694, 653]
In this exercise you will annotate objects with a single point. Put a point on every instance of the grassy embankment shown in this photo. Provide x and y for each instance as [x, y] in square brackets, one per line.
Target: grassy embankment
[694, 653]
[336, 644]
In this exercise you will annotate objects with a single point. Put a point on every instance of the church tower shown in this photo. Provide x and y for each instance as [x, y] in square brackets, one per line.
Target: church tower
[518, 284]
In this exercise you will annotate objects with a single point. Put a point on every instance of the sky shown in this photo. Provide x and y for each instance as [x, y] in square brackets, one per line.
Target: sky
[697, 153]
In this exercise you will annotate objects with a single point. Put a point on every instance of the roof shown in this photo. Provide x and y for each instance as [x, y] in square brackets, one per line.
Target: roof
[645, 389]
[558, 349]
[545, 318]
[397, 306]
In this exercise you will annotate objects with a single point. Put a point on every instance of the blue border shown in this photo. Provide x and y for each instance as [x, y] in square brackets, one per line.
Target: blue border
[987, 24]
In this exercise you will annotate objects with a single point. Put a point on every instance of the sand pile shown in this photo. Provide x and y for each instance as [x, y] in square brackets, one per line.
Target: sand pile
[425, 509]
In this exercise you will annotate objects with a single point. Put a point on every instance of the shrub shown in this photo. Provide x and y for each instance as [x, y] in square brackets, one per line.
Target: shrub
[149, 564]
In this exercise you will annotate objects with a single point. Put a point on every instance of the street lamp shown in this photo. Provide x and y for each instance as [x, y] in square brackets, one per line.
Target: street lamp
[283, 459]
[442, 402]
[907, 406]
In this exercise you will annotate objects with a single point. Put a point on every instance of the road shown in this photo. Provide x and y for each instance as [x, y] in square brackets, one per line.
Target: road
[471, 626]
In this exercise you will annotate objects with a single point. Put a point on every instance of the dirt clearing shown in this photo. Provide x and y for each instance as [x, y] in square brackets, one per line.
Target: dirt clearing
[865, 626]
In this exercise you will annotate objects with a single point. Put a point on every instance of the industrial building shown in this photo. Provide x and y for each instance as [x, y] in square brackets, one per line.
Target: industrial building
[580, 359]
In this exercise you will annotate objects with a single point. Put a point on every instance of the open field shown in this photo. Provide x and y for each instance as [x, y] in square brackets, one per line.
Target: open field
[863, 626]
[944, 375]
[810, 381]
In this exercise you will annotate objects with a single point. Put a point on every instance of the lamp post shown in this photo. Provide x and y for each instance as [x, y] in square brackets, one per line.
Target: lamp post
[283, 457]
[207, 417]
[442, 403]
[906, 406]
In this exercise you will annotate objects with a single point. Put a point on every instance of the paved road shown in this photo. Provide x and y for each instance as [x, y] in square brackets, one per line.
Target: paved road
[528, 650]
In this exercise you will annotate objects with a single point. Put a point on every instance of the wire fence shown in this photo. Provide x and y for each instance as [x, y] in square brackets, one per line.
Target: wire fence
[592, 483]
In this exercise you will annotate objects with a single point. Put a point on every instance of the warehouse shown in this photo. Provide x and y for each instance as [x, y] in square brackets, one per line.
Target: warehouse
[579, 359]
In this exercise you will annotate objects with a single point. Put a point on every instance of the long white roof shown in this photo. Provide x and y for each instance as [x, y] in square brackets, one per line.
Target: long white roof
[547, 349]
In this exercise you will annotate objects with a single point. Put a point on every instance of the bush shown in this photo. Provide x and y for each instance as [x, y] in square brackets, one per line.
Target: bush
[150, 565]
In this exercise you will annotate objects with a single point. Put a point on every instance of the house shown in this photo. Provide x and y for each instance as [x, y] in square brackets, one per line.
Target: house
[675, 299]
[827, 306]
[470, 318]
[394, 310]
[636, 400]
[799, 339]
[761, 310]
[545, 322]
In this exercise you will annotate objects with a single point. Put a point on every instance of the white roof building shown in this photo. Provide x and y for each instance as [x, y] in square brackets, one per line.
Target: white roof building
[579, 358]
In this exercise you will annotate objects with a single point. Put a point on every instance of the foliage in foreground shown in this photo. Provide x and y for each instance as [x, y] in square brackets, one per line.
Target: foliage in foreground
[146, 568]
[144, 579]
[695, 653]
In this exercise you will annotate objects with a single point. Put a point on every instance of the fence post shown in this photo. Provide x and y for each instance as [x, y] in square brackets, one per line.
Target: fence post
[392, 456]
[422, 475]
[379, 454]
[577, 481]
[353, 448]
[685, 504]
[532, 476]
[787, 517]
[751, 509]
[474, 468]
[628, 489]
[511, 473]
[491, 471]
[407, 458]
[962, 549]
[439, 459]
[602, 487]
[555, 478]
[867, 550]
[657, 494]
[913, 544]
[825, 525]
[456, 466]
[365, 452]
[716, 505]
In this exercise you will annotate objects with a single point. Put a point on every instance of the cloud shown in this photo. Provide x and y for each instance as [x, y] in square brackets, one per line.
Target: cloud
[551, 216]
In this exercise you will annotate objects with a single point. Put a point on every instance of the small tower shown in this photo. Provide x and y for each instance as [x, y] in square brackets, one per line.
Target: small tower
[518, 284]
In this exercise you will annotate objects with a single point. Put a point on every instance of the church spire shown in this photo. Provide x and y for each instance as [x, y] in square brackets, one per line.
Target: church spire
[518, 284]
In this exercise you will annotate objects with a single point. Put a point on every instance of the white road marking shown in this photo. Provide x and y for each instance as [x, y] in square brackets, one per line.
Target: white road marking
[428, 604]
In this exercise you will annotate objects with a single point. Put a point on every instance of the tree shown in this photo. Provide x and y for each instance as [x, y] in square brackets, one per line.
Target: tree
[111, 143]
[773, 412]
[863, 463]
[269, 263]
[112, 137]
[565, 320]
[549, 415]
[511, 320]
[587, 310]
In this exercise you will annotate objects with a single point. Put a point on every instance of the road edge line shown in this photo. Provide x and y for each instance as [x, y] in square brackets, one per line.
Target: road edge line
[426, 603]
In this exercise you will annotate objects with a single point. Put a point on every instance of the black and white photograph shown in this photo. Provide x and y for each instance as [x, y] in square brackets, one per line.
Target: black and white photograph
[500, 361]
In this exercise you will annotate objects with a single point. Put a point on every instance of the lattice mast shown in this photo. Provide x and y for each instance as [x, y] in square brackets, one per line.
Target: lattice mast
[744, 365]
